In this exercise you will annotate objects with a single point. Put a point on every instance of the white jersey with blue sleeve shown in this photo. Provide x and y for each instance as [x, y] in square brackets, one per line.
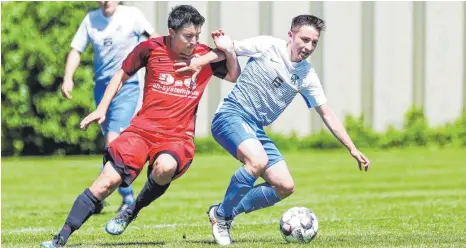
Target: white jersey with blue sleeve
[112, 38]
[270, 80]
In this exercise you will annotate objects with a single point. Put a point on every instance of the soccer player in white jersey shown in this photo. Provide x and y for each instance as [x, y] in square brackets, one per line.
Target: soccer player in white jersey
[276, 72]
[114, 31]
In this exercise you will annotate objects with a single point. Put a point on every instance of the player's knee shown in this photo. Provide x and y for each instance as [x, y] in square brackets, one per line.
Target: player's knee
[106, 183]
[164, 170]
[256, 165]
[285, 189]
[103, 187]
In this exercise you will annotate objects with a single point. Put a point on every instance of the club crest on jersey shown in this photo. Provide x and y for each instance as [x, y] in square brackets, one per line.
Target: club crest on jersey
[294, 79]
[107, 42]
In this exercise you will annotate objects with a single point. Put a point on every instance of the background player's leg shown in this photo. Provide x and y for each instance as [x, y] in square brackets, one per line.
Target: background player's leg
[119, 115]
[279, 185]
[84, 205]
[125, 192]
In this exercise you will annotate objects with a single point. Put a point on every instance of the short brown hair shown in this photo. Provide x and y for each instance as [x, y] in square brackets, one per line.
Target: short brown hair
[309, 20]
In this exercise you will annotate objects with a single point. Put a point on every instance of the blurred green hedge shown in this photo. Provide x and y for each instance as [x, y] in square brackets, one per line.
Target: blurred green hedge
[415, 133]
[37, 120]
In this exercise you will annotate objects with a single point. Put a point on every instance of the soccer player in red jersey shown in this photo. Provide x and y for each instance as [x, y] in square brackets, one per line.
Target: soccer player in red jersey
[163, 130]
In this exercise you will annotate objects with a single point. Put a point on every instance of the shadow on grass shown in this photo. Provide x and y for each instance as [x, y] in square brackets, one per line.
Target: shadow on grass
[236, 241]
[123, 244]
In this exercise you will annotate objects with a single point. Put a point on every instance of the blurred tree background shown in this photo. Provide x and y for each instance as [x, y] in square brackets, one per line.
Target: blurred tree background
[36, 119]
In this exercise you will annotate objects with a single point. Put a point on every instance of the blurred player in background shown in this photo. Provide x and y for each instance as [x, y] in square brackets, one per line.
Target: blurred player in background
[276, 72]
[113, 30]
[163, 130]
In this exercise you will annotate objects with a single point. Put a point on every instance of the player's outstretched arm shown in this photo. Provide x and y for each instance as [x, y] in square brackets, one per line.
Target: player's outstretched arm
[249, 47]
[72, 63]
[196, 63]
[224, 50]
[338, 130]
[112, 88]
[78, 45]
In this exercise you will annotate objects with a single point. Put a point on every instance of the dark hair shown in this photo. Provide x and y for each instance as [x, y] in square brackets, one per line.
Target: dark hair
[183, 14]
[309, 20]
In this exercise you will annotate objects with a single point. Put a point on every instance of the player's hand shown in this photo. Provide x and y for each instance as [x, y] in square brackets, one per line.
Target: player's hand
[222, 41]
[363, 161]
[67, 87]
[98, 115]
[192, 64]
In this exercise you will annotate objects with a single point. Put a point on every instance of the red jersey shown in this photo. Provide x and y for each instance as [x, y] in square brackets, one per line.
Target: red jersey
[170, 99]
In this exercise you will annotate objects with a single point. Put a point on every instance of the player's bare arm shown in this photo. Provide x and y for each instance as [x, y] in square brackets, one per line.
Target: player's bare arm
[223, 51]
[72, 63]
[338, 130]
[195, 63]
[99, 114]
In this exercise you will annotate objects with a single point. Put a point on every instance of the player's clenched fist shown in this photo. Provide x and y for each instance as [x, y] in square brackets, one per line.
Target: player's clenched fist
[222, 41]
[98, 115]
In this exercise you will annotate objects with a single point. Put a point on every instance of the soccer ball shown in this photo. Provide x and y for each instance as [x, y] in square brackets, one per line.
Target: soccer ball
[299, 225]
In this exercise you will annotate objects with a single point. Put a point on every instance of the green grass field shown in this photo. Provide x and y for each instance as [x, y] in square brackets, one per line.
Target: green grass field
[409, 198]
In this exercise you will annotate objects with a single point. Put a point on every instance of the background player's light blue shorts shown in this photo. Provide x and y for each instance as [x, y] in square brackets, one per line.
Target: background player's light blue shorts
[230, 128]
[122, 107]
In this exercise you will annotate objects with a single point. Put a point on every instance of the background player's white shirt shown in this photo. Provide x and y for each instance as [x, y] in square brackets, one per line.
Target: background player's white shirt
[112, 38]
[270, 80]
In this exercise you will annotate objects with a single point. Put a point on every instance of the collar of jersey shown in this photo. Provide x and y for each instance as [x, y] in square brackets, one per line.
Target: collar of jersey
[111, 17]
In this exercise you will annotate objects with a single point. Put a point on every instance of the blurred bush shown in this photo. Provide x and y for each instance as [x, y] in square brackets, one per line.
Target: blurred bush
[415, 133]
[36, 119]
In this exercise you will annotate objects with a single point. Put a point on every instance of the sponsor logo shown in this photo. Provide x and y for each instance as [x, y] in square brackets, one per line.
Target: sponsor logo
[179, 87]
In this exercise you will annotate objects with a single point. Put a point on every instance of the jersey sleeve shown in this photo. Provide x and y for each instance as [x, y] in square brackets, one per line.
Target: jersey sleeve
[312, 91]
[253, 47]
[81, 38]
[137, 58]
[141, 24]
[219, 69]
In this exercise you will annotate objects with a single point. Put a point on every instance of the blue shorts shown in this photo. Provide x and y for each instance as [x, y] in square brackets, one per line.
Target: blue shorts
[121, 109]
[230, 129]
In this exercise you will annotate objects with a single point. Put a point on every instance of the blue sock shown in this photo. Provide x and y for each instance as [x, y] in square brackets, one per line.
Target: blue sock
[261, 196]
[127, 193]
[240, 184]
